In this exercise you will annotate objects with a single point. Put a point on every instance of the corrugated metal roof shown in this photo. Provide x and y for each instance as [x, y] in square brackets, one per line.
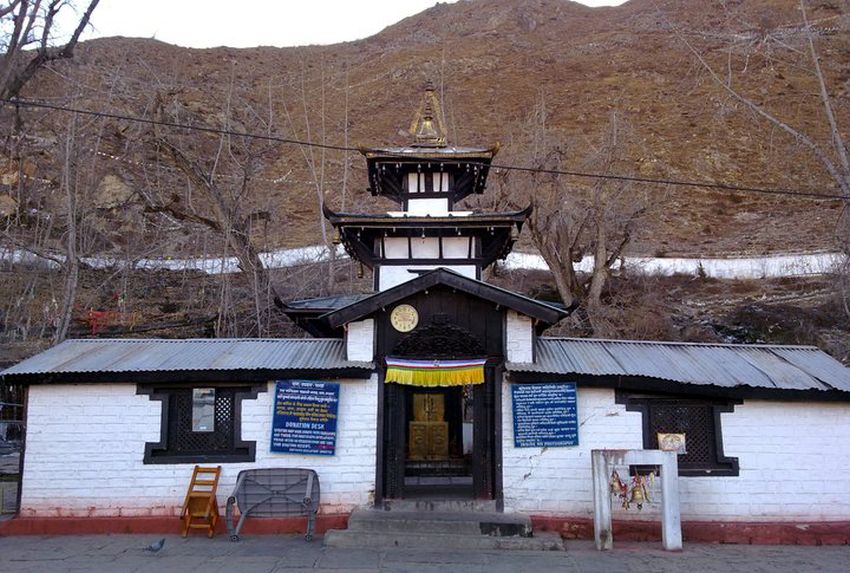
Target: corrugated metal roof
[160, 355]
[723, 365]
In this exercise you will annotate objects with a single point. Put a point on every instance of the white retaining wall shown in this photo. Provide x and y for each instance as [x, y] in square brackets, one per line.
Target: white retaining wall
[85, 446]
[792, 456]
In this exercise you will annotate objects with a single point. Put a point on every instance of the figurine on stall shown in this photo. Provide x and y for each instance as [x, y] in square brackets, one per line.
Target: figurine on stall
[619, 488]
[640, 493]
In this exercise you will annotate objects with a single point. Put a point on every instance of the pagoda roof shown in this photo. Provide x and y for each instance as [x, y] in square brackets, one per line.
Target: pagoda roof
[387, 167]
[497, 232]
[425, 153]
[544, 314]
[459, 219]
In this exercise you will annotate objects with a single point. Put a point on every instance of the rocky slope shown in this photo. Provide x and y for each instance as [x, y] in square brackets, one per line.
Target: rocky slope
[492, 60]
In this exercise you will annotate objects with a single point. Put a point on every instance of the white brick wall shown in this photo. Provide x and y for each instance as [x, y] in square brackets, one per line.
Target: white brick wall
[85, 445]
[792, 458]
[558, 480]
[519, 337]
[360, 340]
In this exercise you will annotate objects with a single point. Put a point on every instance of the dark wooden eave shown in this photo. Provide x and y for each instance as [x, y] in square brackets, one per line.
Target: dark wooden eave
[305, 313]
[544, 314]
[387, 167]
[497, 232]
[384, 220]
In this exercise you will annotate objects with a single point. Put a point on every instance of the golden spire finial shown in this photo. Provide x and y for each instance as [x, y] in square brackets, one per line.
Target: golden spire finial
[427, 127]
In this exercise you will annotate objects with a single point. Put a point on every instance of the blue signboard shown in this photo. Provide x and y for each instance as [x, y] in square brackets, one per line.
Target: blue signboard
[304, 420]
[545, 415]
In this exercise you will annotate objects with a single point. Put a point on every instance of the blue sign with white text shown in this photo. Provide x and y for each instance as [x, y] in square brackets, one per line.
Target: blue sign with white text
[304, 419]
[545, 415]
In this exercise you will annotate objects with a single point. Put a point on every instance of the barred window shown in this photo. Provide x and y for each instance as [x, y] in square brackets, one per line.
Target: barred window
[200, 424]
[699, 421]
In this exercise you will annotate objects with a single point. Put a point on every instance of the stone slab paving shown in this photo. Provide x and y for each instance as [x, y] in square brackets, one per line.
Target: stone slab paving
[269, 554]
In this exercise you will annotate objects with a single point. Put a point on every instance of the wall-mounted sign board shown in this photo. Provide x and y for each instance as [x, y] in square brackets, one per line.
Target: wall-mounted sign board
[304, 418]
[545, 415]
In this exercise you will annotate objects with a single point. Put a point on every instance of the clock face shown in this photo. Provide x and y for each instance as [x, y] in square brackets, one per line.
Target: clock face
[404, 318]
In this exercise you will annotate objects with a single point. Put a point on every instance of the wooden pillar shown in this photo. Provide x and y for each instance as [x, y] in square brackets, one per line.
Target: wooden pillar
[395, 408]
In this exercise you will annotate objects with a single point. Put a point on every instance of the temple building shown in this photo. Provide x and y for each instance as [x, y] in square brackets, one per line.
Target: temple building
[437, 386]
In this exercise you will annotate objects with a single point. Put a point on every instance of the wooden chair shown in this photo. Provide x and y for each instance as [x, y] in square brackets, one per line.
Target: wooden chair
[200, 509]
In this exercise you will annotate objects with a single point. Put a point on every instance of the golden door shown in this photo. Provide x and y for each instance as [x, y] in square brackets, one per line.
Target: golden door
[429, 431]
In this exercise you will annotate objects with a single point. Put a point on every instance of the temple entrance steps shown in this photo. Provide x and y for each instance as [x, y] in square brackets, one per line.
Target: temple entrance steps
[440, 529]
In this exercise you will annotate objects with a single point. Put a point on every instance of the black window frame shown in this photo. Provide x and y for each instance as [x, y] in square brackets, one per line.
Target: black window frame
[649, 405]
[164, 451]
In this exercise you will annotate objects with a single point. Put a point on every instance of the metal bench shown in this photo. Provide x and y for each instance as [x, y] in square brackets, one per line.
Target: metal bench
[274, 492]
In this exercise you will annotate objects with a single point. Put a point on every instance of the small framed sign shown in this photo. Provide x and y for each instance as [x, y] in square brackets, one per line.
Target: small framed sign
[545, 415]
[304, 417]
[672, 443]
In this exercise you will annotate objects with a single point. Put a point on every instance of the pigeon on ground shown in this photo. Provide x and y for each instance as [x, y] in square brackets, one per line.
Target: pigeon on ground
[156, 546]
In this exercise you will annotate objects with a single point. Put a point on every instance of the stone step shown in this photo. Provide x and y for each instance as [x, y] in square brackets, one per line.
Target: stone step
[440, 505]
[461, 523]
[440, 541]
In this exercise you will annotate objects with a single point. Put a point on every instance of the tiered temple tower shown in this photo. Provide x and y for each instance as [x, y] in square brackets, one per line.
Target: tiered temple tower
[427, 179]
[437, 335]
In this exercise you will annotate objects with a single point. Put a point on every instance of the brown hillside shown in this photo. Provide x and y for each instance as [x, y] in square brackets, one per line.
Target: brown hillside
[493, 59]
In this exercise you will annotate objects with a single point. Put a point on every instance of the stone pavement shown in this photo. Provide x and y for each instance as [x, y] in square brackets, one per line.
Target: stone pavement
[197, 554]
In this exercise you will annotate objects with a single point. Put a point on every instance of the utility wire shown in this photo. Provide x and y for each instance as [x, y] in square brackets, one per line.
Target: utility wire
[291, 141]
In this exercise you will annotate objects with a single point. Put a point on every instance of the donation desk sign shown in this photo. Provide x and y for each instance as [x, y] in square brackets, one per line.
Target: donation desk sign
[304, 419]
[545, 415]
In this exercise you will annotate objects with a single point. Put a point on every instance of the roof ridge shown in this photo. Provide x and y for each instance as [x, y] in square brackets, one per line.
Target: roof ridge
[681, 343]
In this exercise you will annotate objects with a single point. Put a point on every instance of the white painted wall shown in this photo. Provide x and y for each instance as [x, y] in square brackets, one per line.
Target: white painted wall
[425, 247]
[558, 481]
[360, 340]
[85, 445]
[433, 207]
[792, 459]
[519, 337]
[416, 182]
[392, 275]
[395, 248]
[457, 247]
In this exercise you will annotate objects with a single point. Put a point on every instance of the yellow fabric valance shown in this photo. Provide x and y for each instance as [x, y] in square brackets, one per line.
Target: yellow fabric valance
[432, 373]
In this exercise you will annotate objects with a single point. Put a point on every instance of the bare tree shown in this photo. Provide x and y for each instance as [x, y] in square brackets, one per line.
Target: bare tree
[317, 161]
[824, 142]
[569, 219]
[29, 39]
[218, 191]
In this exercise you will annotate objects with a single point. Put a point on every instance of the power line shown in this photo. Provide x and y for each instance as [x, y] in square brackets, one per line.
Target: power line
[215, 130]
[520, 168]
[679, 183]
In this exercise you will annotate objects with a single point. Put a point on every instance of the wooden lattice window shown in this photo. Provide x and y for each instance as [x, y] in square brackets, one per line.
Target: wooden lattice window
[698, 419]
[216, 439]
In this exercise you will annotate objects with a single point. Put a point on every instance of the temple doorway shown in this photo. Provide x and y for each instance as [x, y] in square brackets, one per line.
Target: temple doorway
[439, 397]
[439, 442]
